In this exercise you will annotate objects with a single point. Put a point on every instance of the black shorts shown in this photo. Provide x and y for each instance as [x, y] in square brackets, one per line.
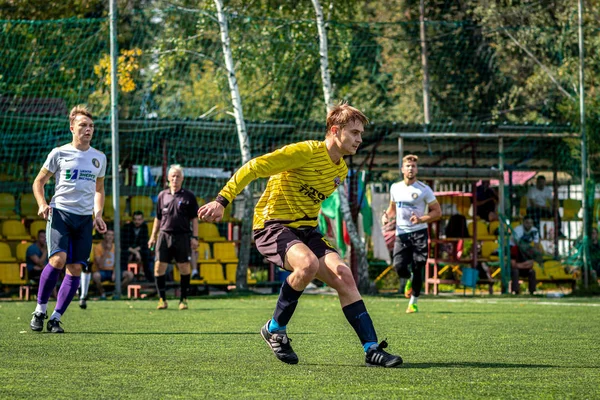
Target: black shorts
[70, 233]
[173, 246]
[410, 248]
[274, 240]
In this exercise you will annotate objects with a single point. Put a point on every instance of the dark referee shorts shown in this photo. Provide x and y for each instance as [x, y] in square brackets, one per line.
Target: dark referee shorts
[171, 246]
[274, 240]
[410, 249]
[70, 233]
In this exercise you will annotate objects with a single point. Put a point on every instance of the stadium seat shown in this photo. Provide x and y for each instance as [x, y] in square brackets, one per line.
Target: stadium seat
[29, 206]
[494, 228]
[150, 223]
[482, 230]
[7, 206]
[10, 274]
[209, 232]
[454, 204]
[523, 206]
[230, 272]
[143, 204]
[14, 230]
[109, 211]
[6, 253]
[36, 226]
[22, 251]
[571, 208]
[225, 252]
[487, 248]
[213, 274]
[204, 253]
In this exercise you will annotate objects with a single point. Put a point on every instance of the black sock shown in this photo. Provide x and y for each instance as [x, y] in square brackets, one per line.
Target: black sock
[356, 313]
[286, 304]
[185, 284]
[161, 286]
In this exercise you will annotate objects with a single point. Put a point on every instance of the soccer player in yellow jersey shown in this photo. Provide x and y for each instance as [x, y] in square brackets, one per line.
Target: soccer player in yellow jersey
[302, 175]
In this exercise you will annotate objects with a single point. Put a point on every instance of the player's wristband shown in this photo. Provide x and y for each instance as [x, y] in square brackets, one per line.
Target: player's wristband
[222, 201]
[195, 237]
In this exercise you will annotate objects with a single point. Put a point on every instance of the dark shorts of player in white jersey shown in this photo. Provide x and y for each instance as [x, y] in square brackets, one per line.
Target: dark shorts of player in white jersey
[275, 239]
[173, 246]
[410, 252]
[70, 233]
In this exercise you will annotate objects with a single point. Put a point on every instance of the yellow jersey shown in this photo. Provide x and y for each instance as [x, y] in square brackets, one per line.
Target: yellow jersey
[302, 176]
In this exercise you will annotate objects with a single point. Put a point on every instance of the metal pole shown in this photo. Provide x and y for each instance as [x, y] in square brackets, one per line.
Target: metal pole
[400, 153]
[114, 128]
[584, 202]
[504, 268]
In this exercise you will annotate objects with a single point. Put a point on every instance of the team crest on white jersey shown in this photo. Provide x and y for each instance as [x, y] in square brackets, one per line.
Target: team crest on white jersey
[96, 162]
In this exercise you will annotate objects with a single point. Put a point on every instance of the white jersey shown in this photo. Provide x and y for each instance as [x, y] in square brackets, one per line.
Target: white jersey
[411, 199]
[75, 172]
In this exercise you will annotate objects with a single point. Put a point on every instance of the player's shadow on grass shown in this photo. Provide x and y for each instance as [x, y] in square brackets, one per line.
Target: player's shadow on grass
[253, 333]
[473, 365]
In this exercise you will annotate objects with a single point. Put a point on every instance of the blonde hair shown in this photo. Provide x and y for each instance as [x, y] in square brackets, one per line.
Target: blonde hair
[342, 114]
[410, 157]
[79, 109]
[176, 167]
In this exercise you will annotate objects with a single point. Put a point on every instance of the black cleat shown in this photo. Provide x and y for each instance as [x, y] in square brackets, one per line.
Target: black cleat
[280, 344]
[377, 357]
[37, 322]
[53, 326]
[83, 303]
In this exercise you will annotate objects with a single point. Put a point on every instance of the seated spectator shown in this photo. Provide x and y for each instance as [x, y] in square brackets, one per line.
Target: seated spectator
[36, 257]
[540, 203]
[525, 249]
[487, 201]
[104, 260]
[134, 248]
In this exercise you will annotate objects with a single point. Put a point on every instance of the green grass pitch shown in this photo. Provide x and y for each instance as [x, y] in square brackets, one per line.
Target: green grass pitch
[460, 347]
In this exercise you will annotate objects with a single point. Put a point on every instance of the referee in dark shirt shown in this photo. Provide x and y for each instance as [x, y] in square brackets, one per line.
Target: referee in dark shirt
[176, 211]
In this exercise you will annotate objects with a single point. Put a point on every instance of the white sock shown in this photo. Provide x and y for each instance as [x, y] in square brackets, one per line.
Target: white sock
[86, 277]
[413, 300]
[41, 308]
[56, 315]
[195, 271]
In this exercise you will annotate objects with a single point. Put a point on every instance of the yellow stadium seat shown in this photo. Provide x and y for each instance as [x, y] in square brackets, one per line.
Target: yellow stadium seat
[204, 253]
[250, 280]
[454, 204]
[482, 230]
[230, 272]
[225, 252]
[571, 208]
[213, 274]
[209, 232]
[143, 204]
[36, 226]
[6, 253]
[29, 206]
[10, 274]
[22, 251]
[14, 230]
[523, 206]
[109, 211]
[494, 228]
[487, 248]
[7, 206]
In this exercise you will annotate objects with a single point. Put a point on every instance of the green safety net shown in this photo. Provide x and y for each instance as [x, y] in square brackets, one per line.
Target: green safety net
[485, 76]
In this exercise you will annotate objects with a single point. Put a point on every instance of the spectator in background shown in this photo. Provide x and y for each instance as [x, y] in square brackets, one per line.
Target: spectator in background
[525, 249]
[36, 257]
[487, 201]
[104, 259]
[540, 203]
[134, 247]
